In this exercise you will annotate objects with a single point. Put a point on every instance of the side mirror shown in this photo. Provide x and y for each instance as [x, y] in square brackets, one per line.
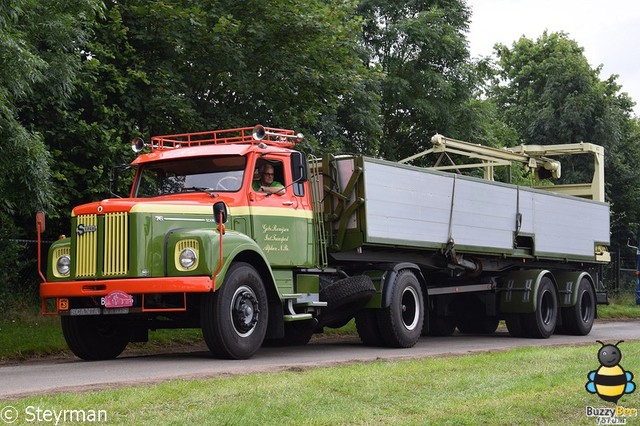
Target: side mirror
[298, 166]
[40, 222]
[220, 212]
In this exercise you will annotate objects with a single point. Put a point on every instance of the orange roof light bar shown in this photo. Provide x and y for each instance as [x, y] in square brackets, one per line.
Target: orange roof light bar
[243, 135]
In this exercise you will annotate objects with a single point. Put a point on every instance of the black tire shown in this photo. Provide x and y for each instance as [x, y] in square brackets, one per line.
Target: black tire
[368, 329]
[542, 323]
[344, 298]
[514, 325]
[578, 319]
[482, 325]
[401, 323]
[95, 338]
[234, 318]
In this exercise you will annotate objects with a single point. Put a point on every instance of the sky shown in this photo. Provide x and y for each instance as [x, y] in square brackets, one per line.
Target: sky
[608, 31]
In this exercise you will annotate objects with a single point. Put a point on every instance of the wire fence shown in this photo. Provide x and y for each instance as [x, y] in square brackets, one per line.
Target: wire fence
[620, 274]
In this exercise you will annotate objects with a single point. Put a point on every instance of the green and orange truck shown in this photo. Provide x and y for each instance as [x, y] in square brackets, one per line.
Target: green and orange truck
[407, 251]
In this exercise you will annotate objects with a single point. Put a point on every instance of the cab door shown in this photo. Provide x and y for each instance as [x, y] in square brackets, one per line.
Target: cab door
[282, 225]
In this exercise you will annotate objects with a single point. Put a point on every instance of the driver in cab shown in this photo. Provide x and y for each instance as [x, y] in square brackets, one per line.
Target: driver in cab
[266, 183]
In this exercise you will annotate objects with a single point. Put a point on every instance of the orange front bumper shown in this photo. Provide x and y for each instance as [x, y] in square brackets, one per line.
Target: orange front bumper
[199, 284]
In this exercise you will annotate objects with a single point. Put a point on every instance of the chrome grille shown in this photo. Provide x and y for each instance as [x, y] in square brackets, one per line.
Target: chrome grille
[116, 253]
[113, 234]
[86, 246]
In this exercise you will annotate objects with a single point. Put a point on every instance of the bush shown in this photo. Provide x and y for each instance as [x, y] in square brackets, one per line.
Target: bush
[18, 269]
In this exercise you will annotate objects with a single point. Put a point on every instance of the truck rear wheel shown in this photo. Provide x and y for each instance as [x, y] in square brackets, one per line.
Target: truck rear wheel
[234, 318]
[95, 338]
[401, 322]
[578, 319]
[542, 323]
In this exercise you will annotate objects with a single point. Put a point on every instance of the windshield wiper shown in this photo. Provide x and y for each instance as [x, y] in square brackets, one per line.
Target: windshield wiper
[209, 191]
[196, 189]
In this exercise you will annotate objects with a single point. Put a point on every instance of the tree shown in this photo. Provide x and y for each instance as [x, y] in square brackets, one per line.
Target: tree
[40, 45]
[421, 48]
[547, 91]
[39, 48]
[222, 63]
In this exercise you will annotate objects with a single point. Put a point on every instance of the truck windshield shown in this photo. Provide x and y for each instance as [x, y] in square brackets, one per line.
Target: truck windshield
[201, 174]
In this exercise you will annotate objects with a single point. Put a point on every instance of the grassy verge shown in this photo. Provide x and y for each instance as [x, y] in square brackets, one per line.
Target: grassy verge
[521, 386]
[622, 305]
[29, 335]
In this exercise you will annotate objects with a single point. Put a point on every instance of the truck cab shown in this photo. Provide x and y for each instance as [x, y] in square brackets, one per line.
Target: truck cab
[149, 260]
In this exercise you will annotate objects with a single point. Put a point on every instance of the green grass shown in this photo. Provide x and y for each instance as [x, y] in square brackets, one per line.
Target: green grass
[521, 386]
[28, 334]
[620, 306]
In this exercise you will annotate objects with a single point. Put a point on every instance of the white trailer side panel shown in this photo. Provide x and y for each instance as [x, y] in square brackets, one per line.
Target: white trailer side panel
[417, 207]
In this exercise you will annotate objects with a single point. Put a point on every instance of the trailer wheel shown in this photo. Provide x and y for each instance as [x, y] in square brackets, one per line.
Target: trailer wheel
[344, 298]
[368, 329]
[578, 319]
[401, 323]
[95, 338]
[234, 318]
[542, 323]
[481, 325]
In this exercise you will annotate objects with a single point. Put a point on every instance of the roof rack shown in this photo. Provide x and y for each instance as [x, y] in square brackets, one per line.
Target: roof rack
[242, 135]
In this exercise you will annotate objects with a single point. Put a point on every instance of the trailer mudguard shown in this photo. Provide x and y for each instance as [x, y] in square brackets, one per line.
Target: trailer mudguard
[519, 289]
[568, 283]
[390, 277]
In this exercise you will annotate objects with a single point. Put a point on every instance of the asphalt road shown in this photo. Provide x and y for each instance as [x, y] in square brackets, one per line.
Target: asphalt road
[23, 379]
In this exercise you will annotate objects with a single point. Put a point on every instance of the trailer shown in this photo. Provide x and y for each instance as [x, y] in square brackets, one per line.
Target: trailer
[238, 233]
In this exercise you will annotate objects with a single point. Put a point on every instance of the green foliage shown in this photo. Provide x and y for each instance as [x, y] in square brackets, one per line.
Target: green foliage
[421, 48]
[40, 44]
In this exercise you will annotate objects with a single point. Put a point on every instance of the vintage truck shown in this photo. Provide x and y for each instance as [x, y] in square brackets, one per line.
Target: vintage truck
[405, 250]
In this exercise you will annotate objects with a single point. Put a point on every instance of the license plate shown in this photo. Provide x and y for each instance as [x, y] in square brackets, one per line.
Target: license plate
[84, 311]
[117, 299]
[115, 311]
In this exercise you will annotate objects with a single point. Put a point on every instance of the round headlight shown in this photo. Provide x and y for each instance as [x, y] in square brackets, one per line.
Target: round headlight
[63, 265]
[188, 258]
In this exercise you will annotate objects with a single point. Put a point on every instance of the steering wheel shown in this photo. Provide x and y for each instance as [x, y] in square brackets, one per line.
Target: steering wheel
[226, 183]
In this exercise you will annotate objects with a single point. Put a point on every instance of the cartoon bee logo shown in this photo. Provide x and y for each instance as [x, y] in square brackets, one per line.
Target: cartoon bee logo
[610, 381]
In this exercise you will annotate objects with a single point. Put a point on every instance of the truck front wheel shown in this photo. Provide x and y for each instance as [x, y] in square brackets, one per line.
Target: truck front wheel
[234, 318]
[401, 322]
[95, 338]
